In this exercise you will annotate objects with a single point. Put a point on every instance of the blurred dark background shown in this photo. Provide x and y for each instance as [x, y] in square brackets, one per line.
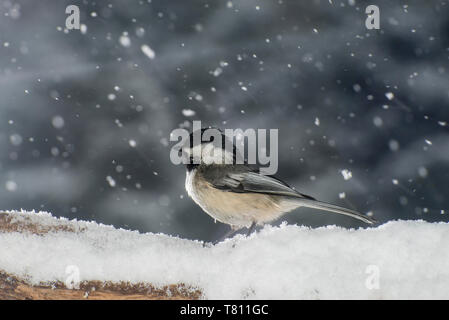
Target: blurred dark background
[85, 115]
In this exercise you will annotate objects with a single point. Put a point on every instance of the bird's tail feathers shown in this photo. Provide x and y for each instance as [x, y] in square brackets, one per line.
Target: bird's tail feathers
[315, 204]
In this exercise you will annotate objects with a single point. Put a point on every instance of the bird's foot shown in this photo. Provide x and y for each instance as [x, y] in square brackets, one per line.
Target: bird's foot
[228, 234]
[251, 229]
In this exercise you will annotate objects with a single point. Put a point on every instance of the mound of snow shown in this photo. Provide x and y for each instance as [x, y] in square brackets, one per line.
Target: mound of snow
[401, 259]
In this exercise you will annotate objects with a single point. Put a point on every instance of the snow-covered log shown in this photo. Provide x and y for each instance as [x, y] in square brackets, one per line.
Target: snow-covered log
[45, 257]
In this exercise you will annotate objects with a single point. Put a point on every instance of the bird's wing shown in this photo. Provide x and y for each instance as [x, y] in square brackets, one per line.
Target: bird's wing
[252, 181]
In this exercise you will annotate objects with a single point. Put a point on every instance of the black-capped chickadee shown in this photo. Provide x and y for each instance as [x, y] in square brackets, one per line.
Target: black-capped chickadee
[238, 195]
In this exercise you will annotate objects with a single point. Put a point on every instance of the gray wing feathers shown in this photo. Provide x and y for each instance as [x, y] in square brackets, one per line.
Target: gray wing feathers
[255, 182]
[333, 208]
[248, 181]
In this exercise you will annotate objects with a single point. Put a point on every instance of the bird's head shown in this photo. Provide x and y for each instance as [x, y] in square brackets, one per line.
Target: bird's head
[208, 146]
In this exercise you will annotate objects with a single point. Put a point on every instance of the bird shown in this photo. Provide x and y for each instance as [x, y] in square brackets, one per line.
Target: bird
[240, 195]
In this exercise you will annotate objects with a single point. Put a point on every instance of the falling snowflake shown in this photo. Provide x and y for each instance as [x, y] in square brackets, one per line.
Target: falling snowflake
[111, 181]
[188, 112]
[346, 174]
[389, 95]
[11, 186]
[132, 143]
[125, 40]
[148, 51]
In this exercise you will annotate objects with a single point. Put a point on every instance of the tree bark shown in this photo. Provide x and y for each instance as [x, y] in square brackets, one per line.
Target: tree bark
[14, 288]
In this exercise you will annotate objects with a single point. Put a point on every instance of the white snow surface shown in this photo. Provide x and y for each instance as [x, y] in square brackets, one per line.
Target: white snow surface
[410, 259]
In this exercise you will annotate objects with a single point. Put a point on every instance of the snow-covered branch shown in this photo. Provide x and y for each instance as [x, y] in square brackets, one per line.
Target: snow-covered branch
[402, 259]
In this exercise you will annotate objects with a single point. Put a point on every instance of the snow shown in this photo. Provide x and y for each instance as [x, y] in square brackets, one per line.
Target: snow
[346, 174]
[400, 259]
[423, 172]
[57, 122]
[15, 139]
[11, 185]
[111, 181]
[389, 95]
[132, 143]
[140, 32]
[148, 51]
[83, 28]
[188, 112]
[125, 40]
[394, 145]
[217, 71]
